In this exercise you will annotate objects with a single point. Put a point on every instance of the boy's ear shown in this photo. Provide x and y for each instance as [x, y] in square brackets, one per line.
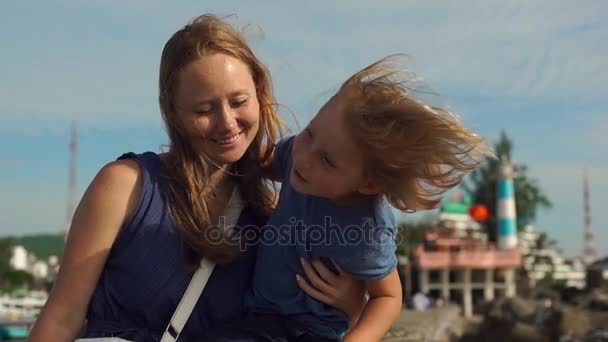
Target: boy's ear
[370, 187]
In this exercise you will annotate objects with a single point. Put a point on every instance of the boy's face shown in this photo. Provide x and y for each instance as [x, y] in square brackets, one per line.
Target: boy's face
[326, 161]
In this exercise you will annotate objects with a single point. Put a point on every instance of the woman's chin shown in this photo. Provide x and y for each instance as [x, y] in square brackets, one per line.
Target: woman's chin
[222, 155]
[229, 157]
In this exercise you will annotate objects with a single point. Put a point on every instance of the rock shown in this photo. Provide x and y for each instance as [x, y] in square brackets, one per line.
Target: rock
[598, 300]
[510, 310]
[599, 335]
[436, 324]
[575, 322]
[523, 332]
[545, 293]
[505, 316]
[516, 319]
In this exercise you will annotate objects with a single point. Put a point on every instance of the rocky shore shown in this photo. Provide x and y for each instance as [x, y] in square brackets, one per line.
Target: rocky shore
[546, 316]
[436, 324]
[567, 316]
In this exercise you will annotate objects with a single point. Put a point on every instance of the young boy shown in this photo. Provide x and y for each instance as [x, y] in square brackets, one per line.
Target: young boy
[371, 146]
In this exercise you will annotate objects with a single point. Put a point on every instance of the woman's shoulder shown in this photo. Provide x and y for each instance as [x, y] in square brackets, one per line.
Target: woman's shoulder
[122, 178]
[146, 160]
[127, 176]
[147, 165]
[124, 172]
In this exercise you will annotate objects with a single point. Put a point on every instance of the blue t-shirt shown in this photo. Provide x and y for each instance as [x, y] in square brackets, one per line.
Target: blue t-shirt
[361, 240]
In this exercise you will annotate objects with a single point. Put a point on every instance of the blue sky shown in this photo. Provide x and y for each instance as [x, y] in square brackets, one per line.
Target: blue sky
[533, 69]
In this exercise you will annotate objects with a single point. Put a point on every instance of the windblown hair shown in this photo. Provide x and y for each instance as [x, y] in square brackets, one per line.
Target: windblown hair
[413, 151]
[185, 168]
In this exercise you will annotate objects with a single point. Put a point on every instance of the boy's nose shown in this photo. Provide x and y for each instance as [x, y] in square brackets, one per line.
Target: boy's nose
[306, 160]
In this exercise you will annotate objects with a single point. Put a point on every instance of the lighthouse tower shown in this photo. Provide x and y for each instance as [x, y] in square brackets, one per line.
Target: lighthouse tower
[507, 218]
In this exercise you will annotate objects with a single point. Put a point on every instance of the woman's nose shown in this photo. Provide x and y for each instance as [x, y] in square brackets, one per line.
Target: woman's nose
[227, 119]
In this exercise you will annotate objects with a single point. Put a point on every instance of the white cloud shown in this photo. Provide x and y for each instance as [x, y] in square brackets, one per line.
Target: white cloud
[528, 49]
[512, 48]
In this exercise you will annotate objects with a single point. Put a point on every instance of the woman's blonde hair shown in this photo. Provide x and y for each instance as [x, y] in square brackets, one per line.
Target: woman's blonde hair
[413, 151]
[185, 168]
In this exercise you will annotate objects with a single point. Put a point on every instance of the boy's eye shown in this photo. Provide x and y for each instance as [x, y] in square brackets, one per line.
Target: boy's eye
[308, 132]
[328, 161]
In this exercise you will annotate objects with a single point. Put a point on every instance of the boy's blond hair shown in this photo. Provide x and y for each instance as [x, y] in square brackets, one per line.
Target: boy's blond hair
[413, 151]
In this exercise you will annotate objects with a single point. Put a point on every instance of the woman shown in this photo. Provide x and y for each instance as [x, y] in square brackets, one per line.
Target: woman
[145, 220]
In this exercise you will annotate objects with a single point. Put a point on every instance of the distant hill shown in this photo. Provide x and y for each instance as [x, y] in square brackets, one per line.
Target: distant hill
[42, 245]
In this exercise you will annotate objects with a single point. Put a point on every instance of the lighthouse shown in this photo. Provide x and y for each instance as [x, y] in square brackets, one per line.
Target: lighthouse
[507, 218]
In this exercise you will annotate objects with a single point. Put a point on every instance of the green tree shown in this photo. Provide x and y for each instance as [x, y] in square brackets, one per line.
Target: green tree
[5, 255]
[544, 242]
[411, 234]
[481, 186]
[14, 280]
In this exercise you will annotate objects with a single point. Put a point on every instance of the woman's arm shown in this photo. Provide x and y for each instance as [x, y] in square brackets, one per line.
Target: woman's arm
[106, 205]
[380, 312]
[338, 290]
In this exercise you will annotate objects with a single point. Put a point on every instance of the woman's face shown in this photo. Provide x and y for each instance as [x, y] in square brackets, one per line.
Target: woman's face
[217, 104]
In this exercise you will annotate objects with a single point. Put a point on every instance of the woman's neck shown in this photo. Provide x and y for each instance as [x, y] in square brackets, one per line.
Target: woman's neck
[217, 176]
[219, 183]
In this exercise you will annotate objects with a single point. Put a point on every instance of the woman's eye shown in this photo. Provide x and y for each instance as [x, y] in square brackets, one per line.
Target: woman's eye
[204, 111]
[239, 103]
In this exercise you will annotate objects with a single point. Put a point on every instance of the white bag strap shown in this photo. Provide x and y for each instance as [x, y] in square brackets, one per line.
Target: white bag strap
[188, 301]
[200, 277]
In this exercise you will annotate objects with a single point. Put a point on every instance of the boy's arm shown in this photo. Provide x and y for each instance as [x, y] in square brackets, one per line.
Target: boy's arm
[381, 311]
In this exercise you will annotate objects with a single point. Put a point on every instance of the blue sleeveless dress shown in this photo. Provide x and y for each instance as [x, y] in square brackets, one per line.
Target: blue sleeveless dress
[145, 274]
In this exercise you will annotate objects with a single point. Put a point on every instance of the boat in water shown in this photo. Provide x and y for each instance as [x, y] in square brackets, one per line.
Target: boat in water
[18, 313]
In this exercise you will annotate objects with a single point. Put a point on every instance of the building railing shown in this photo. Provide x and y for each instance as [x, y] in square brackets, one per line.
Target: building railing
[483, 258]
